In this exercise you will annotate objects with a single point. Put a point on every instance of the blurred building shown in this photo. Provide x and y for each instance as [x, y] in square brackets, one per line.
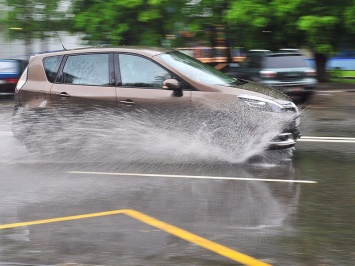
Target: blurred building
[17, 48]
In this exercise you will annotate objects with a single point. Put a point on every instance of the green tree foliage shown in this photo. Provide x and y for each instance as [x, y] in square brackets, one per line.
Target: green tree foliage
[139, 22]
[323, 26]
[349, 17]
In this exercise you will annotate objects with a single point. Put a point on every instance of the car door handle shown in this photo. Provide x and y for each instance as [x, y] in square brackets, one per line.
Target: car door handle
[63, 94]
[127, 102]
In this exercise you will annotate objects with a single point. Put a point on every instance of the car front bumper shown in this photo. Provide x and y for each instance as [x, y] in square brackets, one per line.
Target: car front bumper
[285, 140]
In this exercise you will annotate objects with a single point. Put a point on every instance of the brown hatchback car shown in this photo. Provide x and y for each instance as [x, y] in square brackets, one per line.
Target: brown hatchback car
[67, 83]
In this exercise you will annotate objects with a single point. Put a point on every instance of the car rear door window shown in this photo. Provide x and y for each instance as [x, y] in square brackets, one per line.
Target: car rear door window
[51, 66]
[137, 71]
[87, 69]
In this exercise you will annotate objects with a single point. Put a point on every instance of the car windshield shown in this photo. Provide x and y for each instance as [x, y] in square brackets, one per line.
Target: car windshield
[197, 70]
[285, 61]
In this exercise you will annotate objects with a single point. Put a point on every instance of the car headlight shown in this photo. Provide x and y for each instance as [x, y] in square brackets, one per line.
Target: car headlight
[261, 103]
[295, 108]
[298, 118]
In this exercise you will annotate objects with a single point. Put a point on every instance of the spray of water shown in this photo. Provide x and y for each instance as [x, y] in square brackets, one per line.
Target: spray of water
[233, 135]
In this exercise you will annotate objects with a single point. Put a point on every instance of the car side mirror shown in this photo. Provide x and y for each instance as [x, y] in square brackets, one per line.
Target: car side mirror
[174, 85]
[171, 84]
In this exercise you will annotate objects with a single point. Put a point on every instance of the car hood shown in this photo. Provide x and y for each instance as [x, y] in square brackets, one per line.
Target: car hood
[252, 88]
[262, 89]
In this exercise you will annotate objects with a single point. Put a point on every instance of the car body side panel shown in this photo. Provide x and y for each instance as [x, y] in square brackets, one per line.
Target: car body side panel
[67, 95]
[212, 101]
[35, 92]
[148, 99]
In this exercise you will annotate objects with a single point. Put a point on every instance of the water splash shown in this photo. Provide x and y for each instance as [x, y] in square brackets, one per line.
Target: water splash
[181, 136]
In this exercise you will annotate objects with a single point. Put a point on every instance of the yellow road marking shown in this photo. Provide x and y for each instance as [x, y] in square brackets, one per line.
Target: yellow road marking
[200, 241]
[62, 219]
[176, 231]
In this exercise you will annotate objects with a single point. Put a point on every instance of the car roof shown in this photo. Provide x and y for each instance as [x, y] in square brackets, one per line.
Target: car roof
[147, 51]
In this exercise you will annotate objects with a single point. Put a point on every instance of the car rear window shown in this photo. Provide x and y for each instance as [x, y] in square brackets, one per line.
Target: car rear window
[51, 66]
[9, 67]
[285, 61]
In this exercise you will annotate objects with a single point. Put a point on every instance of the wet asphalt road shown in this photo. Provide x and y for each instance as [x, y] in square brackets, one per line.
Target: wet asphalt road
[298, 212]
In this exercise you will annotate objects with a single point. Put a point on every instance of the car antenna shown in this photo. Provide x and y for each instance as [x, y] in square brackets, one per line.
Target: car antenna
[60, 41]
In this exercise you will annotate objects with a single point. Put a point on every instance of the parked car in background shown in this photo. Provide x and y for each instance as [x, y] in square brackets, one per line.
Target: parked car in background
[10, 72]
[165, 83]
[286, 70]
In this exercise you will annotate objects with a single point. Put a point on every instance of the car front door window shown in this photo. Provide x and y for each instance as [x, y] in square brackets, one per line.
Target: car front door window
[137, 71]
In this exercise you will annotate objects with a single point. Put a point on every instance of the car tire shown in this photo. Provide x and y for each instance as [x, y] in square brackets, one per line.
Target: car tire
[273, 156]
[306, 98]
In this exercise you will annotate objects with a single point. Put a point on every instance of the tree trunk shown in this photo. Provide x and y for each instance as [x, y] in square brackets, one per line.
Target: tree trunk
[321, 64]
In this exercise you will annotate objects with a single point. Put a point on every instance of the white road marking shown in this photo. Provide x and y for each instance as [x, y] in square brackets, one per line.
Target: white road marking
[192, 177]
[6, 133]
[327, 139]
[309, 137]
[327, 92]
